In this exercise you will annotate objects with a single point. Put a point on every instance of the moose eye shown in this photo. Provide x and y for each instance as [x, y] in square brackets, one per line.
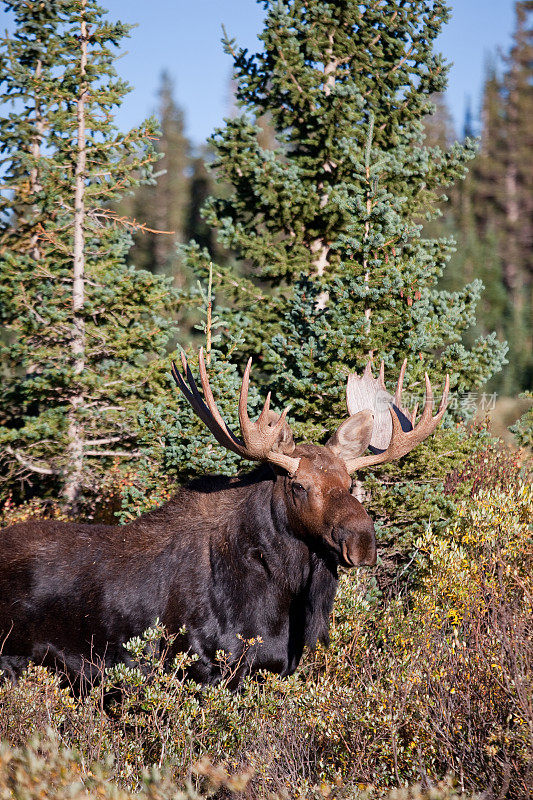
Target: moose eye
[298, 488]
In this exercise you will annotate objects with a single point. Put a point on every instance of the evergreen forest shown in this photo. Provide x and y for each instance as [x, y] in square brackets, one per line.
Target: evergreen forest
[335, 218]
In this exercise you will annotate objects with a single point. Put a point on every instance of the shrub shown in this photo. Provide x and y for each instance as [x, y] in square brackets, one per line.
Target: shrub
[425, 489]
[45, 769]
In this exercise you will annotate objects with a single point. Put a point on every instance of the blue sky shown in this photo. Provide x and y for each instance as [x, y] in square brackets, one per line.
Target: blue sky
[183, 36]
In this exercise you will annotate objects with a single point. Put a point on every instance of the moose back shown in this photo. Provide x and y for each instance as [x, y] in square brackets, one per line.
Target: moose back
[225, 560]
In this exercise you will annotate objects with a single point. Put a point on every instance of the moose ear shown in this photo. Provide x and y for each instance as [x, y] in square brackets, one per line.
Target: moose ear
[353, 436]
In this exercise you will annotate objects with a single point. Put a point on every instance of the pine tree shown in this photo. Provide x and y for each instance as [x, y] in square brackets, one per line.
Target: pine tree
[477, 253]
[488, 170]
[493, 208]
[84, 330]
[438, 126]
[163, 205]
[200, 188]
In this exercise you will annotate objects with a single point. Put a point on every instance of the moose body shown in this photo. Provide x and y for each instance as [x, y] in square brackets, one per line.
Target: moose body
[224, 561]
[220, 559]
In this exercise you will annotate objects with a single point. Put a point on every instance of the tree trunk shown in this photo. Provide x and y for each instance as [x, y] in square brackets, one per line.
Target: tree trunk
[319, 247]
[75, 427]
[35, 149]
[510, 265]
[161, 215]
[35, 183]
[368, 310]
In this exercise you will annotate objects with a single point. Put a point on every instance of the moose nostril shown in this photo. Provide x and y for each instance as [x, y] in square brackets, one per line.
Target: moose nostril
[357, 548]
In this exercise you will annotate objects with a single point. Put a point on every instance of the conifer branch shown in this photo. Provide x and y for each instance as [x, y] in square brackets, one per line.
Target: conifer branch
[290, 74]
[25, 302]
[113, 453]
[107, 440]
[126, 222]
[402, 60]
[25, 462]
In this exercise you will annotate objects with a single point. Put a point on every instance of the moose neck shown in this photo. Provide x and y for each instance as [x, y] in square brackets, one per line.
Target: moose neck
[249, 550]
[252, 516]
[306, 575]
[315, 593]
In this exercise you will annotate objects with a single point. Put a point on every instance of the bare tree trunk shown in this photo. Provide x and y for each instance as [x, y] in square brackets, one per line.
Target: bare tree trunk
[35, 185]
[511, 268]
[368, 310]
[75, 428]
[319, 247]
[161, 201]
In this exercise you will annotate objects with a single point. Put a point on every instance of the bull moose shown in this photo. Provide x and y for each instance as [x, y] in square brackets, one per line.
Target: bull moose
[225, 559]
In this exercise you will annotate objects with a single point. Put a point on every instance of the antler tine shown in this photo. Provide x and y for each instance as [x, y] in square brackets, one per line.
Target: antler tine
[190, 389]
[221, 432]
[191, 393]
[266, 408]
[427, 411]
[259, 437]
[444, 400]
[208, 394]
[216, 423]
[279, 424]
[275, 429]
[443, 403]
[399, 385]
[244, 419]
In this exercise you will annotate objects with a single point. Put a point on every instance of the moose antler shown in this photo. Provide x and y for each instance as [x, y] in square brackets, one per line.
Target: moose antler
[395, 433]
[262, 440]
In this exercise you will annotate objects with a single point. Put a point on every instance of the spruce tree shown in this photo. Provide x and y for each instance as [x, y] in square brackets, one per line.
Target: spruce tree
[496, 200]
[477, 253]
[84, 330]
[201, 186]
[487, 170]
[333, 215]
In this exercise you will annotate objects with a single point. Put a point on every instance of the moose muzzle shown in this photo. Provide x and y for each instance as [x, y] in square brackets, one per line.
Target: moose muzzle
[358, 549]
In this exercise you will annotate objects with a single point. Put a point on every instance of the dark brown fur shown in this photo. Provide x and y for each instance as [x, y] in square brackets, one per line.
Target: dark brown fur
[250, 556]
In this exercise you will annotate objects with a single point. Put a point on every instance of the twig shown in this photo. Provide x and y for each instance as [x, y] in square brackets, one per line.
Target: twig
[132, 224]
[111, 453]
